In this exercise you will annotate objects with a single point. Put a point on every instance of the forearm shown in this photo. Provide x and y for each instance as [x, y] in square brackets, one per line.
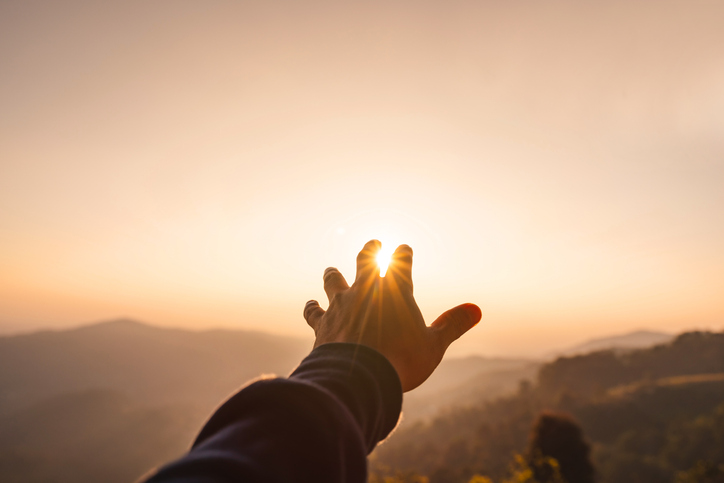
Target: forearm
[317, 425]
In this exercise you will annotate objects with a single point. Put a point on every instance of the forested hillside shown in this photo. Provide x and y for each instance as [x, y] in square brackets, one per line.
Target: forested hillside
[652, 416]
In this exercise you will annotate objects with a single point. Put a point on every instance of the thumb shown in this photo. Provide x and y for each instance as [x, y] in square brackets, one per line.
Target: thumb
[456, 321]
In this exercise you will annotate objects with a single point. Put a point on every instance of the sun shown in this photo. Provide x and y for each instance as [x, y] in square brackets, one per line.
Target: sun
[384, 257]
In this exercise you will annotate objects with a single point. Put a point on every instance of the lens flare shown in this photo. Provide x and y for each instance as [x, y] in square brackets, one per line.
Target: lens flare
[384, 257]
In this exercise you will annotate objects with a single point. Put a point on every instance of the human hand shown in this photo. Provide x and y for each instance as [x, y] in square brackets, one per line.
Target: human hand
[381, 312]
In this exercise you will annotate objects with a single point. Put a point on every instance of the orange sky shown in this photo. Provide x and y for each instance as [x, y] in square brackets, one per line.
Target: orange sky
[199, 164]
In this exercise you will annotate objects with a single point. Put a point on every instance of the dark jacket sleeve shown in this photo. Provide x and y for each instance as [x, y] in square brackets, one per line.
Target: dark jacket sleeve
[318, 425]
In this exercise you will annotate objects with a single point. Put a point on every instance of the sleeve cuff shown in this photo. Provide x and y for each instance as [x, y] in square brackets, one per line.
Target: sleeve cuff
[363, 380]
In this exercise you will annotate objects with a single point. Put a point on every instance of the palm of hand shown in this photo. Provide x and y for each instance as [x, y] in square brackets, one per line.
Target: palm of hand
[382, 313]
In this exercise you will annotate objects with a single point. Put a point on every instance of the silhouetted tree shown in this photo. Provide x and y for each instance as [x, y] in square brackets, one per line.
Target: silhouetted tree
[702, 472]
[559, 437]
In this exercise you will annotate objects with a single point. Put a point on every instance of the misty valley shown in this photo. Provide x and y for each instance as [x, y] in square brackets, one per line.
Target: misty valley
[110, 401]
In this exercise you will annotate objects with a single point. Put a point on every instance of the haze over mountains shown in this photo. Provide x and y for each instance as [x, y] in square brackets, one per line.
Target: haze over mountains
[639, 339]
[108, 401]
[152, 364]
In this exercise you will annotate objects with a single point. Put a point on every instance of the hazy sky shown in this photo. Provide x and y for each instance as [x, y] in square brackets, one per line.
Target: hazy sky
[199, 164]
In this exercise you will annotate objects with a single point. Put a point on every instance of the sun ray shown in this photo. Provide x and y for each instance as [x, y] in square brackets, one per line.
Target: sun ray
[383, 258]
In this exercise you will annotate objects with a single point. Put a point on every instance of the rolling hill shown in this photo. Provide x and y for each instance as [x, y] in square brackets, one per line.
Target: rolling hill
[109, 401]
[106, 402]
[154, 365]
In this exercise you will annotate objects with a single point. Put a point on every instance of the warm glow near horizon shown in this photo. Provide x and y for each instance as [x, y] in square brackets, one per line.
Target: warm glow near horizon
[200, 164]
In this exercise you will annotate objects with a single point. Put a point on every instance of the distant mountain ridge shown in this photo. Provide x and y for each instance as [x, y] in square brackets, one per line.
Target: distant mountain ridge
[160, 365]
[464, 381]
[639, 339]
[108, 401]
[153, 364]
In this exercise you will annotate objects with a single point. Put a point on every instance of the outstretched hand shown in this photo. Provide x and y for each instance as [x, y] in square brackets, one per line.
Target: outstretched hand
[381, 312]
